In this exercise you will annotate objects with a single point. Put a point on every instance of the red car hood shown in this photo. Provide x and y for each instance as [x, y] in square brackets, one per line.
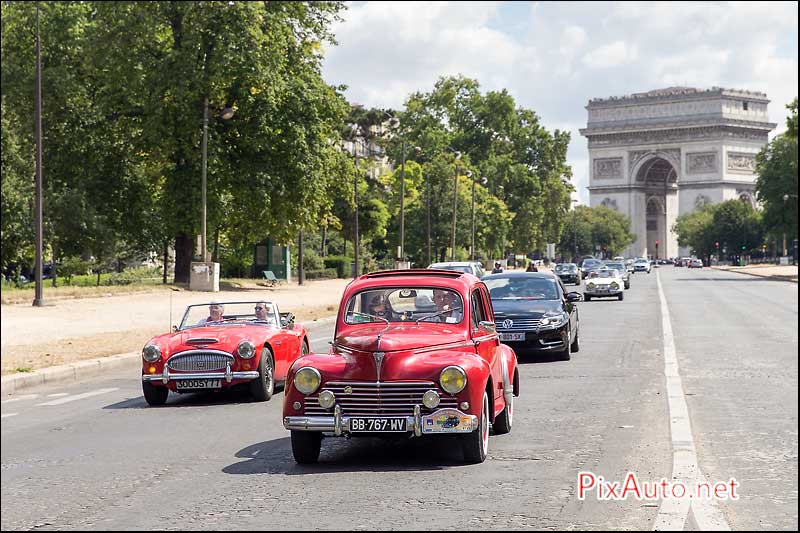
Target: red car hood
[400, 337]
[225, 338]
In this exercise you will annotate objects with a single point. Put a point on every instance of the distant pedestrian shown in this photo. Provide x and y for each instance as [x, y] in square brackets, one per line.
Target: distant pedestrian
[532, 267]
[498, 268]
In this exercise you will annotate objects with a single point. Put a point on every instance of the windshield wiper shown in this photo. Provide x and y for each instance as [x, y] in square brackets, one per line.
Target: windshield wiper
[437, 314]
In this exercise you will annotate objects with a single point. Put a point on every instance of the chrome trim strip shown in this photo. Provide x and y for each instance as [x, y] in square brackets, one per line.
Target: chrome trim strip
[229, 374]
[329, 424]
[508, 387]
[337, 421]
[166, 377]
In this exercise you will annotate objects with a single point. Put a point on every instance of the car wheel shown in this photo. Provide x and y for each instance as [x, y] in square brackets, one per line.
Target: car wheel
[628, 285]
[304, 349]
[621, 295]
[306, 446]
[154, 395]
[566, 353]
[576, 347]
[475, 445]
[503, 421]
[262, 388]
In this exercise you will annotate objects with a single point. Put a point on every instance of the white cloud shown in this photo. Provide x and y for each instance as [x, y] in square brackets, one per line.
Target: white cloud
[553, 57]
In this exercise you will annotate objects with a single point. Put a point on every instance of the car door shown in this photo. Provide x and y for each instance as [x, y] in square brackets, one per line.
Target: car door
[486, 340]
[284, 345]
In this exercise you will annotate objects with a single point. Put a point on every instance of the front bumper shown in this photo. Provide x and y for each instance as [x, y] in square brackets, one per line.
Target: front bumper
[228, 375]
[547, 339]
[609, 292]
[339, 424]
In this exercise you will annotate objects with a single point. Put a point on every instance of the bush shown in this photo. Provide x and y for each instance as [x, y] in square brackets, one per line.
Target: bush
[340, 263]
[312, 261]
[71, 267]
[134, 275]
[325, 273]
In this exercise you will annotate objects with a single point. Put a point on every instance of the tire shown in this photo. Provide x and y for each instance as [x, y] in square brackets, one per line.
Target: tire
[306, 446]
[621, 295]
[262, 388]
[304, 350]
[503, 422]
[155, 396]
[566, 354]
[576, 346]
[628, 285]
[475, 445]
[587, 298]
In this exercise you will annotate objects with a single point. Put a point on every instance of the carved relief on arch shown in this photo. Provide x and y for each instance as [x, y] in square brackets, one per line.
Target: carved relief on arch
[701, 201]
[654, 206]
[641, 161]
[609, 203]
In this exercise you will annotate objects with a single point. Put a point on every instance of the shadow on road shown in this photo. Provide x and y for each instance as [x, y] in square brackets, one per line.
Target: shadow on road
[195, 399]
[366, 454]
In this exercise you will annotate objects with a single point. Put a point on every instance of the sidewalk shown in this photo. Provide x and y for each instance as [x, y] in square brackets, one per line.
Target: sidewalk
[80, 329]
[775, 272]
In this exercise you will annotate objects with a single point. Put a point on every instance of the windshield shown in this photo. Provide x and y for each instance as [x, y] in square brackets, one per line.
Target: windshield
[522, 288]
[617, 266]
[566, 268]
[215, 313]
[590, 263]
[607, 274]
[404, 304]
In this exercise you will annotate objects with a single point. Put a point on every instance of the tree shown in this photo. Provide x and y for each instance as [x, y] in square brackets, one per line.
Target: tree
[598, 226]
[776, 166]
[734, 224]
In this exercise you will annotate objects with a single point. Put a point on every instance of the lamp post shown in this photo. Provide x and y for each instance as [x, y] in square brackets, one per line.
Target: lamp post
[575, 224]
[455, 204]
[38, 299]
[226, 114]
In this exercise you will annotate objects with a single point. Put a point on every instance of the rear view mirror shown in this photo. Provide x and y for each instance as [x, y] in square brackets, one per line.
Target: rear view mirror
[574, 297]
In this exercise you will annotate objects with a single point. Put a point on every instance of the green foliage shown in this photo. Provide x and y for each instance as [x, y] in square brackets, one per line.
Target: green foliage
[734, 224]
[73, 266]
[340, 263]
[601, 226]
[325, 273]
[135, 275]
[776, 166]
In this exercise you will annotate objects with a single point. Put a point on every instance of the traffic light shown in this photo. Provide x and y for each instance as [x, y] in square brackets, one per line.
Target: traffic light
[716, 244]
[743, 247]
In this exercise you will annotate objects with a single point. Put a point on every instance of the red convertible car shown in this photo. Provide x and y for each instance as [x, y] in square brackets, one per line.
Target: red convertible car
[221, 345]
[415, 352]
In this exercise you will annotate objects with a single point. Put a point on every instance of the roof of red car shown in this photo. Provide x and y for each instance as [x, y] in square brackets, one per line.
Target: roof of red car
[415, 276]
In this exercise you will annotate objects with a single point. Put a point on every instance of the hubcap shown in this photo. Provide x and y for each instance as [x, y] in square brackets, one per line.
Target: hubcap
[268, 375]
[485, 425]
[510, 410]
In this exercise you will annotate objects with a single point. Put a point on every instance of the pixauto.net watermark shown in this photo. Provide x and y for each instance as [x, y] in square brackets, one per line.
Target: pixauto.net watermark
[664, 489]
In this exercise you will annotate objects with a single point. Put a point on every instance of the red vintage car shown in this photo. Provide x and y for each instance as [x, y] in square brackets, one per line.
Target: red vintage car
[414, 352]
[220, 345]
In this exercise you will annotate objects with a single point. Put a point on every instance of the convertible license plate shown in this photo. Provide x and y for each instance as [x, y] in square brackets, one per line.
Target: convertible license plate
[512, 337]
[198, 384]
[367, 425]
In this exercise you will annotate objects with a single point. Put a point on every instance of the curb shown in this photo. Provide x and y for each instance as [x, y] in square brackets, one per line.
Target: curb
[790, 279]
[92, 367]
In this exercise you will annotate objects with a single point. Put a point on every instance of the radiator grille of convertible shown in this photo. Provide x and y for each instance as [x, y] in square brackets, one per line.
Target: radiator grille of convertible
[386, 398]
[199, 361]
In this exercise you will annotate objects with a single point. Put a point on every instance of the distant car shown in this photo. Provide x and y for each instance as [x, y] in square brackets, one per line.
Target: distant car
[236, 349]
[604, 283]
[629, 265]
[568, 272]
[470, 267]
[619, 259]
[589, 265]
[534, 311]
[695, 263]
[623, 272]
[641, 265]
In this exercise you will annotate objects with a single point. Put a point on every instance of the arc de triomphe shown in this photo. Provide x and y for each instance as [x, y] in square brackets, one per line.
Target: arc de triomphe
[656, 155]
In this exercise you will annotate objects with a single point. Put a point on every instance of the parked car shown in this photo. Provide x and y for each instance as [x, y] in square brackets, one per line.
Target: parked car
[534, 311]
[623, 272]
[472, 267]
[695, 263]
[415, 352]
[568, 272]
[219, 345]
[641, 265]
[605, 282]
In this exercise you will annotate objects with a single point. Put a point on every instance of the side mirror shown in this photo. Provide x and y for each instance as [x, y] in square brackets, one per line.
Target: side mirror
[488, 325]
[574, 297]
[174, 329]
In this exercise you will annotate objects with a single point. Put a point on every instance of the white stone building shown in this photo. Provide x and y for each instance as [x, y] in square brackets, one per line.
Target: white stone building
[656, 155]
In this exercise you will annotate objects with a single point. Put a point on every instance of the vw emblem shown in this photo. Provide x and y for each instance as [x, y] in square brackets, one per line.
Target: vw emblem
[508, 323]
[348, 390]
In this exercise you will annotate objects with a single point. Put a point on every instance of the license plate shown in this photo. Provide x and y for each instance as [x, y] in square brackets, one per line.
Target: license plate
[198, 384]
[512, 336]
[366, 425]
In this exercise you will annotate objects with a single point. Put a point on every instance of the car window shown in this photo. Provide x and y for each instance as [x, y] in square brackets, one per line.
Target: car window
[404, 304]
[478, 312]
[518, 288]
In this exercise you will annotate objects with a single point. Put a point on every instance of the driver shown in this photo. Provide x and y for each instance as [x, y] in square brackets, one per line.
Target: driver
[378, 306]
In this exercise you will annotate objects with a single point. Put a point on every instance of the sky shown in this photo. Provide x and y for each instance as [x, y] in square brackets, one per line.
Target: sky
[553, 57]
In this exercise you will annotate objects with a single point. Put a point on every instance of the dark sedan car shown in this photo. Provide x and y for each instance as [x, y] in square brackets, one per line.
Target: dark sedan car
[568, 272]
[533, 311]
[590, 265]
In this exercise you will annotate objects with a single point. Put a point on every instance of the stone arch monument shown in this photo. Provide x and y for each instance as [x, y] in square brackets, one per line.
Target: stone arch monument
[660, 154]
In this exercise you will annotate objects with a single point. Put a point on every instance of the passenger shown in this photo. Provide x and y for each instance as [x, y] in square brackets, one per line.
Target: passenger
[446, 300]
[215, 311]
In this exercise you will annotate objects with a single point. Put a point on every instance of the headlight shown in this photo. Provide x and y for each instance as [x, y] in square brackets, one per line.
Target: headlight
[307, 380]
[591, 285]
[151, 353]
[614, 285]
[246, 350]
[453, 379]
[550, 320]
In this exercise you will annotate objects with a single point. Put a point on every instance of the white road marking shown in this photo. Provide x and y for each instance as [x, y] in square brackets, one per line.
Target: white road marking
[673, 512]
[9, 414]
[78, 397]
[18, 398]
[57, 394]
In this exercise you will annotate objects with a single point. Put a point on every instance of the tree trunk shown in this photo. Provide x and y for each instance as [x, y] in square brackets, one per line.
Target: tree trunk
[184, 252]
[53, 268]
[166, 261]
[215, 255]
[324, 238]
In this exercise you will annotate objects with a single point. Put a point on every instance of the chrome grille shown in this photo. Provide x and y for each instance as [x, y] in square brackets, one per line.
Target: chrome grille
[520, 324]
[385, 398]
[199, 361]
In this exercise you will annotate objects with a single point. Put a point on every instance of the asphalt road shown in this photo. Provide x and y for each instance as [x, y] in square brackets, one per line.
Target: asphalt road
[93, 456]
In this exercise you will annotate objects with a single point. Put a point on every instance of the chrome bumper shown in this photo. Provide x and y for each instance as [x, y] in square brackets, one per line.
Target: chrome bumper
[338, 423]
[165, 377]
